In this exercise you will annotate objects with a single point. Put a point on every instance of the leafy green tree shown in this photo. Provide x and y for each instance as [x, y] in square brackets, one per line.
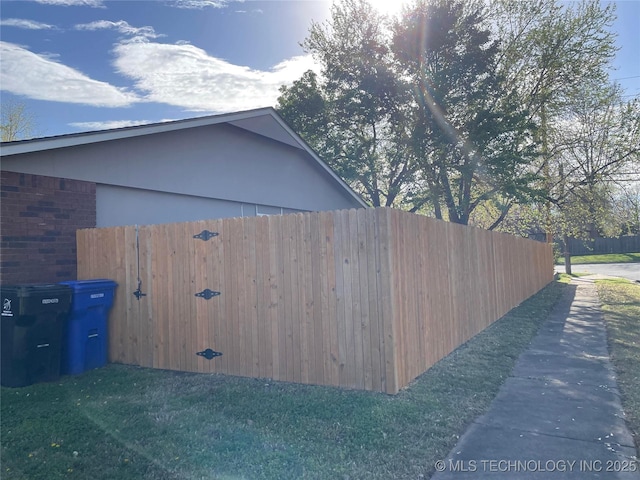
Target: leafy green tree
[452, 108]
[549, 50]
[352, 115]
[306, 109]
[456, 143]
[470, 136]
[600, 139]
[626, 204]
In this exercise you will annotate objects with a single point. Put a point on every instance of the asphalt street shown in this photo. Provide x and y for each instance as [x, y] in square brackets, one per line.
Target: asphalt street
[630, 271]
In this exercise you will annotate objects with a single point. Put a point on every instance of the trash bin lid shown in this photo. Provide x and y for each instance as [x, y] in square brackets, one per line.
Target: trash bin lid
[29, 290]
[33, 299]
[92, 284]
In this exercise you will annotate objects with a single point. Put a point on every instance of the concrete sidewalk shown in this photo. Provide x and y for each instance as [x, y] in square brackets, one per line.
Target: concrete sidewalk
[558, 415]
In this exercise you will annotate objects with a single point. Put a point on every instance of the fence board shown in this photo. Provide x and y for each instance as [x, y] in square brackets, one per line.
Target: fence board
[159, 265]
[355, 317]
[200, 272]
[145, 307]
[251, 260]
[332, 297]
[341, 328]
[263, 338]
[290, 300]
[363, 282]
[306, 269]
[318, 296]
[387, 300]
[130, 310]
[373, 269]
[296, 299]
[272, 327]
[173, 318]
[193, 329]
[217, 326]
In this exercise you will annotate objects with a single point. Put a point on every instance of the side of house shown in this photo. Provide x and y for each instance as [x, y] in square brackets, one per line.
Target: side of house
[39, 217]
[233, 165]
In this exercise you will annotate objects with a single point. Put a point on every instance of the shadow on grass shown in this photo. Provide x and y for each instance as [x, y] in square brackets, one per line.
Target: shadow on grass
[129, 422]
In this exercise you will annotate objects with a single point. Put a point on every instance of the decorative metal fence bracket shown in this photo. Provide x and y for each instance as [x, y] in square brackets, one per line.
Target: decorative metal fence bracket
[206, 235]
[209, 354]
[207, 294]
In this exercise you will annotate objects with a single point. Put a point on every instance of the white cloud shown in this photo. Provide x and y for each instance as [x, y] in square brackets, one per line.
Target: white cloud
[25, 73]
[109, 124]
[74, 3]
[186, 76]
[27, 24]
[200, 4]
[122, 27]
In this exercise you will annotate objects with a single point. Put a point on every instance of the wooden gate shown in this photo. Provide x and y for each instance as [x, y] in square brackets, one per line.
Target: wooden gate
[363, 299]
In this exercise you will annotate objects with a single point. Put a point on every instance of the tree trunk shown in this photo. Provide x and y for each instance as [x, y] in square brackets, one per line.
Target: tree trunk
[567, 256]
[546, 174]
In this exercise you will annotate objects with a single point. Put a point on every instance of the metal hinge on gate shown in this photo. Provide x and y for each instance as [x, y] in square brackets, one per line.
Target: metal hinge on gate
[209, 354]
[206, 235]
[207, 294]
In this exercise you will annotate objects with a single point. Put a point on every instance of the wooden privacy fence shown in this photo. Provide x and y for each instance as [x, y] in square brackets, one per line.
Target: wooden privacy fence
[366, 299]
[622, 244]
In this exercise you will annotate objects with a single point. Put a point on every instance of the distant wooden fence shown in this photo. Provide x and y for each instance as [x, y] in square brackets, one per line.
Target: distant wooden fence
[365, 299]
[624, 244]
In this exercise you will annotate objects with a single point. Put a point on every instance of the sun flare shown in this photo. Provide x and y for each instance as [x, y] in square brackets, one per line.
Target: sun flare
[388, 7]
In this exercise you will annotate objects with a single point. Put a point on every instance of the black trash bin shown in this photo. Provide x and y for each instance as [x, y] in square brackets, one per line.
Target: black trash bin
[32, 325]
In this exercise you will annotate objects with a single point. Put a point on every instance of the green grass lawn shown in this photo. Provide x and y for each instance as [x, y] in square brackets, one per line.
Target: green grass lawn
[605, 258]
[621, 306]
[122, 422]
[564, 278]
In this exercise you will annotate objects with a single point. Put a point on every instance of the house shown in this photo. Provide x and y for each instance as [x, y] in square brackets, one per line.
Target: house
[232, 165]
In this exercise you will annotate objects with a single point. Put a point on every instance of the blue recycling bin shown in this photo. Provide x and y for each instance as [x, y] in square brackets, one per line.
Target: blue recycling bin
[86, 336]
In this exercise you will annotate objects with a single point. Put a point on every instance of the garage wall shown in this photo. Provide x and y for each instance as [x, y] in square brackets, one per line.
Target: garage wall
[216, 162]
[131, 206]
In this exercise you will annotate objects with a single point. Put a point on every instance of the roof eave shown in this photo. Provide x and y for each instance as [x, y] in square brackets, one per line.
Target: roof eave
[77, 139]
[84, 138]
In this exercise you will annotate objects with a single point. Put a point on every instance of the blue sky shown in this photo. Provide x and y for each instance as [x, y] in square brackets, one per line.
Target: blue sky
[83, 65]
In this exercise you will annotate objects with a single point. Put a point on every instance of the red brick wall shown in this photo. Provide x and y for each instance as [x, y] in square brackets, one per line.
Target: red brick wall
[39, 217]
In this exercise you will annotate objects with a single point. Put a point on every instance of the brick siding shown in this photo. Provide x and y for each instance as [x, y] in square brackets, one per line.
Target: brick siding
[39, 217]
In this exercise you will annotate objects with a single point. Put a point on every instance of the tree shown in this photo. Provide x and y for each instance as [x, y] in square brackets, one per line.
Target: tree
[452, 108]
[305, 107]
[352, 115]
[626, 204]
[469, 135]
[600, 139]
[549, 51]
[17, 123]
[370, 123]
